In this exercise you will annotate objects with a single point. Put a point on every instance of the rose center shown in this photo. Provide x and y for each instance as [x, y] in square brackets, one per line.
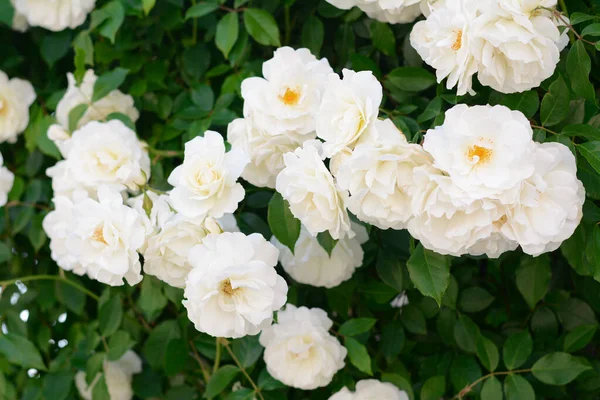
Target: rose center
[98, 235]
[458, 41]
[227, 289]
[479, 155]
[291, 97]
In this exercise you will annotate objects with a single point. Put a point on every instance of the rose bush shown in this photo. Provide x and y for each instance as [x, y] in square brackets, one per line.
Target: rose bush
[281, 199]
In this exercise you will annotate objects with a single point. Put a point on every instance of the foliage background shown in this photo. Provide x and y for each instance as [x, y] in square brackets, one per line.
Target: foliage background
[185, 63]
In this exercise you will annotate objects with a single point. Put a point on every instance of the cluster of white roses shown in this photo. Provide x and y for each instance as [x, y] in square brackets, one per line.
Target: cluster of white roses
[54, 15]
[512, 45]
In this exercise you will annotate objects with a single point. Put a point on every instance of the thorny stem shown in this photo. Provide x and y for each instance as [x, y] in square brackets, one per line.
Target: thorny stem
[470, 387]
[52, 278]
[544, 129]
[571, 29]
[225, 344]
[217, 356]
[199, 361]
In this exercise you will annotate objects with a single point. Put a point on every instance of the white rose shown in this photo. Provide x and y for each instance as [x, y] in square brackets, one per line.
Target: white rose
[105, 237]
[118, 376]
[160, 213]
[349, 107]
[310, 190]
[487, 151]
[19, 22]
[288, 97]
[516, 49]
[371, 389]
[16, 95]
[107, 153]
[58, 225]
[379, 177]
[114, 102]
[443, 42]
[400, 301]
[7, 179]
[233, 288]
[391, 11]
[265, 150]
[55, 15]
[310, 264]
[550, 203]
[300, 351]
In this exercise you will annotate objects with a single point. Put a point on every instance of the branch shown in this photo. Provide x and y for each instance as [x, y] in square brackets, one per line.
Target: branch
[225, 344]
[470, 387]
[50, 278]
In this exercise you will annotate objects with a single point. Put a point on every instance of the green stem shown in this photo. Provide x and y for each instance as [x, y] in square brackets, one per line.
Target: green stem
[51, 278]
[217, 356]
[563, 7]
[470, 387]
[241, 367]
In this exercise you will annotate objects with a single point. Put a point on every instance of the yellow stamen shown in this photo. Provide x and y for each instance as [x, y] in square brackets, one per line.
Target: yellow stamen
[458, 42]
[227, 289]
[98, 235]
[291, 97]
[479, 154]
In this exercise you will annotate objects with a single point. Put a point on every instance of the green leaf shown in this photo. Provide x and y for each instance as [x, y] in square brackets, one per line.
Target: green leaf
[154, 347]
[414, 320]
[555, 104]
[579, 337]
[5, 252]
[228, 30]
[313, 33]
[533, 277]
[54, 47]
[591, 30]
[579, 66]
[383, 38]
[359, 356]
[219, 380]
[434, 388]
[517, 349]
[433, 109]
[6, 12]
[100, 389]
[389, 269]
[492, 389]
[526, 102]
[327, 242]
[517, 388]
[283, 224]
[591, 152]
[94, 366]
[152, 300]
[357, 326]
[466, 334]
[582, 130]
[175, 356]
[201, 9]
[75, 116]
[108, 82]
[118, 344]
[110, 315]
[18, 350]
[411, 79]
[558, 368]
[148, 5]
[430, 272]
[57, 385]
[487, 353]
[475, 299]
[261, 26]
[108, 19]
[247, 350]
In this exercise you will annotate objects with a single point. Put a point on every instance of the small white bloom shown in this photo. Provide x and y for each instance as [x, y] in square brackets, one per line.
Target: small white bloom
[300, 351]
[400, 301]
[55, 15]
[550, 203]
[19, 22]
[288, 98]
[349, 108]
[114, 102]
[105, 237]
[107, 153]
[160, 213]
[233, 288]
[310, 190]
[443, 42]
[310, 264]
[486, 151]
[206, 182]
[118, 375]
[7, 179]
[16, 95]
[265, 150]
[371, 389]
[379, 177]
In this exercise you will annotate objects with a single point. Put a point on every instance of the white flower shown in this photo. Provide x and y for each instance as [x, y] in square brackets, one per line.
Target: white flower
[349, 107]
[118, 375]
[310, 264]
[55, 15]
[16, 95]
[288, 97]
[7, 179]
[19, 22]
[114, 102]
[105, 237]
[107, 153]
[265, 150]
[443, 42]
[160, 212]
[400, 301]
[550, 203]
[486, 151]
[379, 177]
[300, 351]
[516, 48]
[233, 288]
[371, 389]
[390, 11]
[206, 182]
[310, 190]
